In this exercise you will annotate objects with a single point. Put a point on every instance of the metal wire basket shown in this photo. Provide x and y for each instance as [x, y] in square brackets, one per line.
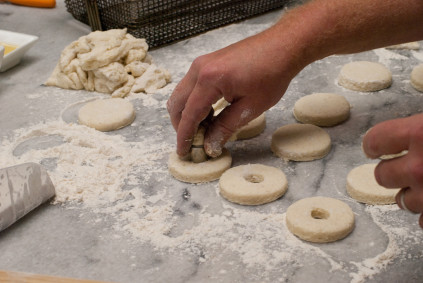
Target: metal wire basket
[166, 21]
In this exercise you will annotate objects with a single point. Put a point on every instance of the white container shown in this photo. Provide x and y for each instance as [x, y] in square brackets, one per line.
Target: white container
[23, 42]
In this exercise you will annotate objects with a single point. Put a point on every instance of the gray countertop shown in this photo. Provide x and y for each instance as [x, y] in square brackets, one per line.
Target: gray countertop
[121, 217]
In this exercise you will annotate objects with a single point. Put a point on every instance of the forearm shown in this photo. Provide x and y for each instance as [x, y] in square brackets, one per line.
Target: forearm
[325, 27]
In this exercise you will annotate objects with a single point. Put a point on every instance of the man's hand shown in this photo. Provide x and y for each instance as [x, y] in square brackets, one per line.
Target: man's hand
[391, 137]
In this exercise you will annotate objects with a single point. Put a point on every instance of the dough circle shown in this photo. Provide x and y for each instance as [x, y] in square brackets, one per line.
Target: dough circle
[322, 109]
[417, 77]
[107, 114]
[362, 186]
[300, 142]
[253, 184]
[254, 128]
[190, 172]
[365, 76]
[320, 219]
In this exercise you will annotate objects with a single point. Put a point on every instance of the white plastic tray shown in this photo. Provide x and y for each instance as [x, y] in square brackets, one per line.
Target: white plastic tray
[24, 43]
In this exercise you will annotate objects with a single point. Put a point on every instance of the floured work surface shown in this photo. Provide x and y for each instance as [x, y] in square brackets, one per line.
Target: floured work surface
[130, 219]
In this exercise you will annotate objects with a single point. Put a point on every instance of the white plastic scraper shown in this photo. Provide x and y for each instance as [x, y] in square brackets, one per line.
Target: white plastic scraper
[22, 188]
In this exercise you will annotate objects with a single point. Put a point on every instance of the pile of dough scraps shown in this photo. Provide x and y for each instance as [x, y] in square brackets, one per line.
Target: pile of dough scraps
[110, 61]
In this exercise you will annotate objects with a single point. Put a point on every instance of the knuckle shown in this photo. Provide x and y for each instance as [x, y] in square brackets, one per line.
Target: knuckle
[415, 169]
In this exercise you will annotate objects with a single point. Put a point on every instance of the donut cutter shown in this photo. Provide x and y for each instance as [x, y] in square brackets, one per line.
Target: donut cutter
[22, 188]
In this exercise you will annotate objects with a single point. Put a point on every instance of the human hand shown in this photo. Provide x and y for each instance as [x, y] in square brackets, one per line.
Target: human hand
[251, 75]
[405, 172]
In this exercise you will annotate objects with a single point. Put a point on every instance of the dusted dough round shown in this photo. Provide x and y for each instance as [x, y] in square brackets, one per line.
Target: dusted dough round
[365, 76]
[253, 184]
[322, 109]
[254, 128]
[320, 219]
[190, 172]
[363, 187]
[417, 77]
[300, 142]
[107, 114]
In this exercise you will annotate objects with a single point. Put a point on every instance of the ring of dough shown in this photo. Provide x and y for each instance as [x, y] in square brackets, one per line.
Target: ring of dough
[363, 187]
[190, 172]
[417, 77]
[322, 109]
[300, 142]
[365, 76]
[107, 114]
[320, 219]
[253, 184]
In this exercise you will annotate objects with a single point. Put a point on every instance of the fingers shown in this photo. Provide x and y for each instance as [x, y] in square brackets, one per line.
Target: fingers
[238, 114]
[410, 199]
[376, 142]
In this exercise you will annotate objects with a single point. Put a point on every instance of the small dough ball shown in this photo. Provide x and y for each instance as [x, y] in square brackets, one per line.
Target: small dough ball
[417, 77]
[190, 172]
[363, 187]
[320, 219]
[365, 76]
[253, 184]
[254, 128]
[322, 109]
[107, 114]
[301, 142]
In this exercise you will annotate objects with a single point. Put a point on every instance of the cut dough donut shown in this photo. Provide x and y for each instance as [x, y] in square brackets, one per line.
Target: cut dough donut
[365, 76]
[107, 114]
[417, 77]
[320, 219]
[254, 128]
[363, 187]
[190, 172]
[300, 142]
[253, 184]
[322, 109]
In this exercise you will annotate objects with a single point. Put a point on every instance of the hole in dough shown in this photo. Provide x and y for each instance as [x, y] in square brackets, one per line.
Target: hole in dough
[254, 178]
[319, 213]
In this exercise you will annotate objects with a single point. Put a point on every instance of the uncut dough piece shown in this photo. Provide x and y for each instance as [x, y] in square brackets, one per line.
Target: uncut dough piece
[322, 109]
[320, 219]
[300, 142]
[190, 172]
[365, 76]
[362, 186]
[107, 114]
[253, 184]
[417, 77]
[409, 45]
[254, 128]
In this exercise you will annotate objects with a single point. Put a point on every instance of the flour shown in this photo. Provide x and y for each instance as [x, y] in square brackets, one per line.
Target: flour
[386, 56]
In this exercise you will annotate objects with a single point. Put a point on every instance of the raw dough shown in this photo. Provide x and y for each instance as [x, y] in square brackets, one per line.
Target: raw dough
[109, 62]
[300, 142]
[320, 219]
[362, 186]
[417, 77]
[322, 109]
[253, 184]
[190, 172]
[409, 45]
[107, 114]
[365, 76]
[254, 128]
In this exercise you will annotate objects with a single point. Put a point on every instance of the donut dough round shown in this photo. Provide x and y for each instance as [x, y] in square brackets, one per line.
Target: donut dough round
[254, 128]
[362, 186]
[253, 184]
[190, 172]
[417, 77]
[322, 109]
[365, 76]
[107, 114]
[300, 142]
[320, 219]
